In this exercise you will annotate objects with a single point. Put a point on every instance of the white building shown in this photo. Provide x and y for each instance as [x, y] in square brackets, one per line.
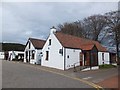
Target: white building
[64, 51]
[15, 55]
[1, 55]
[33, 51]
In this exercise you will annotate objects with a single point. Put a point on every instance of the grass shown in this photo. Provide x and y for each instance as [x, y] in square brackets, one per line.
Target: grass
[106, 66]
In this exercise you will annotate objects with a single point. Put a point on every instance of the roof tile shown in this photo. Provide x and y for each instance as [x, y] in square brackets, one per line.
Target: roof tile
[70, 41]
[37, 43]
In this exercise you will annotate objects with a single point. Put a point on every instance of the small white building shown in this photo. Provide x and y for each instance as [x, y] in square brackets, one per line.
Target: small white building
[33, 51]
[64, 51]
[15, 55]
[1, 55]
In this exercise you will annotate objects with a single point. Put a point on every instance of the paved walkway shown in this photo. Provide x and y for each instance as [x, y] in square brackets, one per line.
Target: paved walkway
[111, 82]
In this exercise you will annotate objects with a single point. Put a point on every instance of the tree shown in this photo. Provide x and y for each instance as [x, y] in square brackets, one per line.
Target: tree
[94, 25]
[113, 22]
[74, 28]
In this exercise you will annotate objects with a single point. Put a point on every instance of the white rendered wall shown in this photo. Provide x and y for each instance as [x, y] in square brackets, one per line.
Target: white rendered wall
[37, 58]
[32, 61]
[74, 57]
[27, 49]
[106, 58]
[55, 60]
[11, 55]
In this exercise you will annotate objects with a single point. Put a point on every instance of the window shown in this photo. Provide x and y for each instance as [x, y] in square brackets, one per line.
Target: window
[67, 56]
[49, 41]
[61, 51]
[41, 53]
[103, 57]
[47, 55]
[33, 54]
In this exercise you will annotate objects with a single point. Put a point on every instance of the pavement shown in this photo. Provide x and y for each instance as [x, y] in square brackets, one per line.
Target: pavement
[80, 79]
[111, 82]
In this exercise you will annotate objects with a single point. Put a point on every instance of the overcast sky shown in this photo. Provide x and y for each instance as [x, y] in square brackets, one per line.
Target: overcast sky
[21, 20]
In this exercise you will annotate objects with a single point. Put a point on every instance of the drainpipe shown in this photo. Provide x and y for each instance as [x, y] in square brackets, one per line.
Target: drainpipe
[90, 53]
[64, 58]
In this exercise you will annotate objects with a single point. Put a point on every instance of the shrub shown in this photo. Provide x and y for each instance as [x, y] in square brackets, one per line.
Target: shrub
[104, 66]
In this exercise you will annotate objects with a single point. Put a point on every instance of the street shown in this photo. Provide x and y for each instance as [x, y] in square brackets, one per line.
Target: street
[21, 75]
[16, 75]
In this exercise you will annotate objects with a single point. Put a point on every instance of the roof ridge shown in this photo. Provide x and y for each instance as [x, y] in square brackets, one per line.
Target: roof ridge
[36, 39]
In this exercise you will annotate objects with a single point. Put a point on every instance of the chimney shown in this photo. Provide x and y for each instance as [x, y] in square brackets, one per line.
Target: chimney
[52, 30]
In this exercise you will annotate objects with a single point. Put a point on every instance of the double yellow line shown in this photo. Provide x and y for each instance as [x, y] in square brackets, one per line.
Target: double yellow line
[78, 79]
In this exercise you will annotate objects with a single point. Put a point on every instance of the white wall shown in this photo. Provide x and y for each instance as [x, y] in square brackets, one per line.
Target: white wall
[32, 61]
[1, 55]
[11, 55]
[39, 56]
[27, 49]
[37, 59]
[74, 57]
[106, 58]
[56, 60]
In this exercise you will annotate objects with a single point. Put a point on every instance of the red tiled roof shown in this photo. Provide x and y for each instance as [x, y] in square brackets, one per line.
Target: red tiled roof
[37, 43]
[70, 41]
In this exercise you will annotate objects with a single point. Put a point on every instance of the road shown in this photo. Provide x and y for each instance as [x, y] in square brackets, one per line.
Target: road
[18, 75]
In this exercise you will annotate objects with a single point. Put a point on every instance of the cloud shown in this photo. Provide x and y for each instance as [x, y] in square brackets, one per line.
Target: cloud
[21, 20]
[59, 0]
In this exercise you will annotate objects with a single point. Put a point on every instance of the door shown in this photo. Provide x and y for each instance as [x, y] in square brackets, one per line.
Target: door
[29, 57]
[94, 59]
[81, 58]
[26, 56]
[87, 58]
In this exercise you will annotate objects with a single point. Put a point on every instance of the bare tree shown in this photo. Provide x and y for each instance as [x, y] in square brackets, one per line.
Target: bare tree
[94, 26]
[113, 22]
[74, 28]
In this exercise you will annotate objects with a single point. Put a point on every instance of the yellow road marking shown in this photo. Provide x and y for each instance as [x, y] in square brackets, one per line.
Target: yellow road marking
[78, 79]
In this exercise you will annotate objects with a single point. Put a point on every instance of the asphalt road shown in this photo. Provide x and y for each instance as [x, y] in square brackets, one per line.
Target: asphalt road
[17, 75]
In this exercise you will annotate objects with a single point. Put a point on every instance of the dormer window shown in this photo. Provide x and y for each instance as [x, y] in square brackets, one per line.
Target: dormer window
[49, 41]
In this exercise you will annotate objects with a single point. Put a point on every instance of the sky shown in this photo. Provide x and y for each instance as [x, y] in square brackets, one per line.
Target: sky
[21, 20]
